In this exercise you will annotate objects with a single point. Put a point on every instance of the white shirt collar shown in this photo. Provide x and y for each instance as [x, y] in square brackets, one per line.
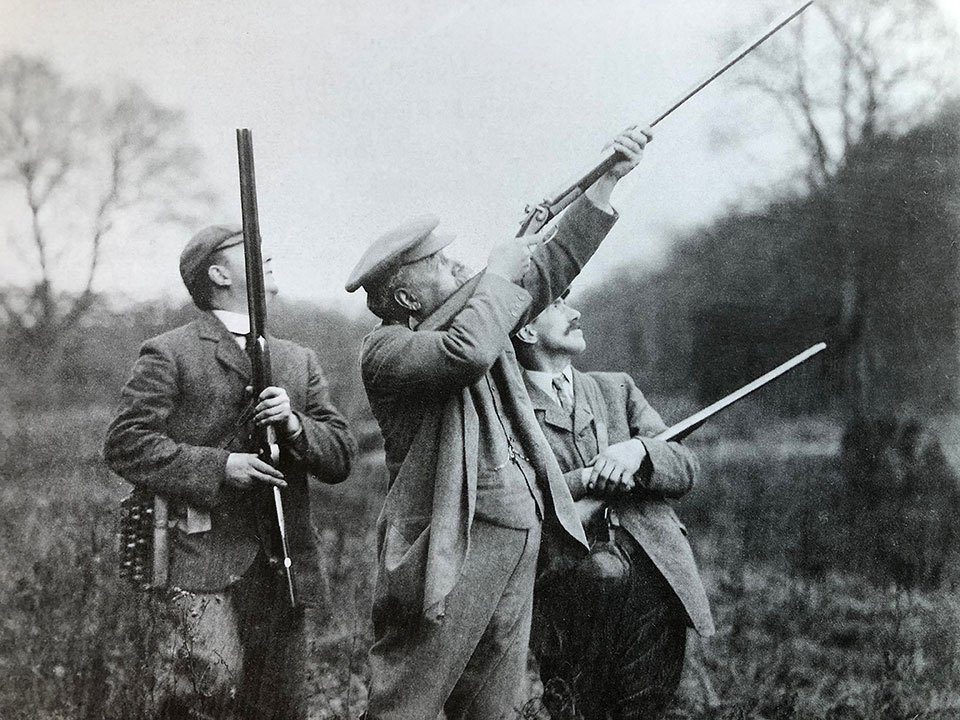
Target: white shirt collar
[237, 323]
[544, 380]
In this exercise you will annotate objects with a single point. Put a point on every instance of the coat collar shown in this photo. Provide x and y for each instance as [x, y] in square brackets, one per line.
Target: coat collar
[228, 352]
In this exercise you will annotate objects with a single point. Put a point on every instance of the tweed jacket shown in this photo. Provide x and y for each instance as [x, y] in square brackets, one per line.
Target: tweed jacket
[176, 425]
[609, 408]
[421, 387]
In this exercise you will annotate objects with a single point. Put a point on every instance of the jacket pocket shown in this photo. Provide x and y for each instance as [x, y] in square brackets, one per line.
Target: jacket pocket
[405, 560]
[408, 531]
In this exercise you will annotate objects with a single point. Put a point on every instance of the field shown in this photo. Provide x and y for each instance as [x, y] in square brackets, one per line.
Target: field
[808, 625]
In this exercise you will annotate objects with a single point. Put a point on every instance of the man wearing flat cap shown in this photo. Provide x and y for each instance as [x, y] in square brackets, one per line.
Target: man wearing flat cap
[233, 648]
[471, 475]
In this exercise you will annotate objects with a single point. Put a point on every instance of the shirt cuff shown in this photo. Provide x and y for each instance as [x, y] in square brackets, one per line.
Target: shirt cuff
[292, 437]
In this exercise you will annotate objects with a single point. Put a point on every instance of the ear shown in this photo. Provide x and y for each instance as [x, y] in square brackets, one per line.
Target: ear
[527, 335]
[219, 276]
[407, 299]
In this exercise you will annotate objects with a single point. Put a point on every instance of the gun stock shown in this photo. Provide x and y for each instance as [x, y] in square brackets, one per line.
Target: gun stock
[265, 439]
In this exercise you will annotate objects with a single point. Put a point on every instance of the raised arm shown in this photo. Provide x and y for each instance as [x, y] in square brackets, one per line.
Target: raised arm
[395, 358]
[582, 228]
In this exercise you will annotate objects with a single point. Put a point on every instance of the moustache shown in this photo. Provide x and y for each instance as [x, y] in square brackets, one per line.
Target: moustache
[574, 325]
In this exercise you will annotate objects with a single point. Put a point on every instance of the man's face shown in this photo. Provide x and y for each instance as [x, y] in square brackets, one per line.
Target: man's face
[232, 259]
[435, 279]
[558, 330]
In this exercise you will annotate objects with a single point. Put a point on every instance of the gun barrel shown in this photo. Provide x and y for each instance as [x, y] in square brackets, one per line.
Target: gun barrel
[731, 60]
[687, 426]
[257, 347]
[253, 257]
[570, 192]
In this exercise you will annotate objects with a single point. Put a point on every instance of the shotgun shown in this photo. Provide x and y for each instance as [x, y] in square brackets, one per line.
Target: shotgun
[270, 518]
[586, 507]
[537, 217]
[688, 425]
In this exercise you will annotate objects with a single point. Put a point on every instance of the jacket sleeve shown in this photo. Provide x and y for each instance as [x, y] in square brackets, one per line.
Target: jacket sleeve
[557, 263]
[325, 446]
[669, 469]
[137, 447]
[398, 359]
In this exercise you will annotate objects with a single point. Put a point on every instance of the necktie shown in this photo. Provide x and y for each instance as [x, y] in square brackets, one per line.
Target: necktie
[560, 385]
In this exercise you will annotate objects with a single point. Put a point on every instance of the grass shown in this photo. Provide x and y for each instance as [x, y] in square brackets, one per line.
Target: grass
[807, 625]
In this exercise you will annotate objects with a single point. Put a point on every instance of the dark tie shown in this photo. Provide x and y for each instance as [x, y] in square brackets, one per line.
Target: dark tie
[560, 385]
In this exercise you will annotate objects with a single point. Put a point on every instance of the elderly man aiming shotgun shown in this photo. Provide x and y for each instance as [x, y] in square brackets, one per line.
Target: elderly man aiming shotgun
[471, 475]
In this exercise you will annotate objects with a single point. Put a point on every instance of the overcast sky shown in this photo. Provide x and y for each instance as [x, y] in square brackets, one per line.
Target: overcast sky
[365, 113]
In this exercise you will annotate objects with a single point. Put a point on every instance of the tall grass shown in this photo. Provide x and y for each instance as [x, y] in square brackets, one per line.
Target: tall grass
[806, 629]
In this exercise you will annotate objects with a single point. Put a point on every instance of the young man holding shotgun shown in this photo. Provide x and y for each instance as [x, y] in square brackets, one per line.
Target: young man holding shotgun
[609, 628]
[234, 646]
[471, 475]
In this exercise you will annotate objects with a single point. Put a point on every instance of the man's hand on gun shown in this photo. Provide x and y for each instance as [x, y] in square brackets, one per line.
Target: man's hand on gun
[246, 469]
[613, 471]
[511, 258]
[629, 146]
[273, 408]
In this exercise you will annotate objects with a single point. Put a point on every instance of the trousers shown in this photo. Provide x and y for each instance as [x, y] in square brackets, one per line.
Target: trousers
[472, 665]
[609, 636]
[239, 654]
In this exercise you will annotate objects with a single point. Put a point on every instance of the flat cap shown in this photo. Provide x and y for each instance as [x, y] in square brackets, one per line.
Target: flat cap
[204, 244]
[408, 243]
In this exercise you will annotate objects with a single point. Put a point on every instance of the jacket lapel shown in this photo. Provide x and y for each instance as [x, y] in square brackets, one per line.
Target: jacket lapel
[553, 414]
[228, 352]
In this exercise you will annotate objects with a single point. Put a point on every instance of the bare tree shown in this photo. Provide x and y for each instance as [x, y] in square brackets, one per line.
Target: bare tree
[79, 169]
[847, 73]
[849, 70]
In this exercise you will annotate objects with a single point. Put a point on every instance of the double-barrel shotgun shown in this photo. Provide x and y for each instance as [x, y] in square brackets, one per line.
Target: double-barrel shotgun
[270, 511]
[538, 216]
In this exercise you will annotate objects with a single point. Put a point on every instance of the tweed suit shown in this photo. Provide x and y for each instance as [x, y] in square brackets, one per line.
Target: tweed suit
[663, 577]
[470, 477]
[175, 427]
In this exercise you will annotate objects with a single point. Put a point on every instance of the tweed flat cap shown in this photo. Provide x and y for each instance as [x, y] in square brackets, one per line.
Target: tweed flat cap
[408, 243]
[204, 244]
